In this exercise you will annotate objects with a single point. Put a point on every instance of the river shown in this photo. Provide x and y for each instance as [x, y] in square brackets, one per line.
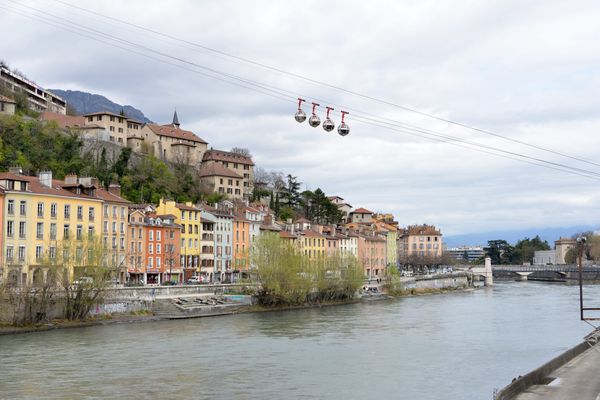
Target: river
[447, 346]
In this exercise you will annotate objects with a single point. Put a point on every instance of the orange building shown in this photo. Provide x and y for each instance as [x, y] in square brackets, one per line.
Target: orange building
[154, 248]
[241, 243]
[372, 255]
[1, 233]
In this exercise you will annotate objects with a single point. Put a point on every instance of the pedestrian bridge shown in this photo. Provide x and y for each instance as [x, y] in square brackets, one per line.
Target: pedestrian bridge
[546, 272]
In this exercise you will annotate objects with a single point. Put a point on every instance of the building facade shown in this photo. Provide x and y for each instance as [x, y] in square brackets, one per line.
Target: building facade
[39, 100]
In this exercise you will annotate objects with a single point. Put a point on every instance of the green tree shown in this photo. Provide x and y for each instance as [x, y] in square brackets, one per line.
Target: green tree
[525, 248]
[291, 192]
[500, 251]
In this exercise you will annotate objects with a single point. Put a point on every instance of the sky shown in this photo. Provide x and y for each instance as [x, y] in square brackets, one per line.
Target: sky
[527, 70]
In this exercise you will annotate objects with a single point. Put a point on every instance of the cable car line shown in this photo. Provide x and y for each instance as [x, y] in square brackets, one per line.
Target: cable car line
[280, 95]
[325, 84]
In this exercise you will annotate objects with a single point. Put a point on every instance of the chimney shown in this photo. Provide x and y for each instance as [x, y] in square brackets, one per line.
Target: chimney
[16, 170]
[115, 189]
[268, 220]
[71, 179]
[45, 178]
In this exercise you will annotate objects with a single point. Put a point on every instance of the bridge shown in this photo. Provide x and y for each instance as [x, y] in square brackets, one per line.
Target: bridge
[546, 272]
[486, 272]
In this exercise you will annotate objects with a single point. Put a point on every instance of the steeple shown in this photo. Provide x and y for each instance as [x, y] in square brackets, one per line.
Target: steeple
[175, 119]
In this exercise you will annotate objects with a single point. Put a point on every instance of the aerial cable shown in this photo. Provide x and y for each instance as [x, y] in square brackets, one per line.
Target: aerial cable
[325, 84]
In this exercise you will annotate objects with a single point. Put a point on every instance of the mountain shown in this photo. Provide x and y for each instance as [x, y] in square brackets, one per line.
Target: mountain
[512, 236]
[85, 103]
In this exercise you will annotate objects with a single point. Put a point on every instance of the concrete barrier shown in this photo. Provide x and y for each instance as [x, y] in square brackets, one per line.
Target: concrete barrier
[536, 377]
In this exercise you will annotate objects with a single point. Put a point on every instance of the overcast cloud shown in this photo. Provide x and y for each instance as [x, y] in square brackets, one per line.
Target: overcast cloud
[526, 69]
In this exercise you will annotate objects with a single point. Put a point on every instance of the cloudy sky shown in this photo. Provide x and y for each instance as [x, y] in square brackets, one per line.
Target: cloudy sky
[528, 70]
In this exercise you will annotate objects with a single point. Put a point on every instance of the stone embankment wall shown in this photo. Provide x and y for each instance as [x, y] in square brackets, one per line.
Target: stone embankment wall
[456, 280]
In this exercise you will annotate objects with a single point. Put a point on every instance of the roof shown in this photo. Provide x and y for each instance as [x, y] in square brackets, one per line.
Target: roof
[5, 99]
[302, 221]
[35, 186]
[287, 235]
[63, 121]
[361, 211]
[104, 113]
[110, 197]
[335, 197]
[310, 233]
[215, 169]
[273, 228]
[185, 207]
[421, 230]
[175, 132]
[220, 155]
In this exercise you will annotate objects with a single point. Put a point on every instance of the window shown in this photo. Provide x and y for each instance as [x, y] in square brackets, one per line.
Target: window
[190, 243]
[182, 214]
[230, 181]
[221, 181]
[114, 242]
[105, 227]
[22, 231]
[90, 232]
[21, 253]
[150, 235]
[52, 252]
[40, 210]
[122, 243]
[67, 211]
[157, 235]
[150, 248]
[11, 207]
[140, 233]
[157, 262]
[157, 248]
[52, 231]
[122, 228]
[182, 243]
[53, 210]
[114, 211]
[91, 213]
[98, 117]
[150, 262]
[9, 253]
[10, 229]
[79, 232]
[22, 207]
[122, 212]
[38, 252]
[66, 231]
[39, 230]
[79, 213]
[112, 119]
[105, 211]
[114, 227]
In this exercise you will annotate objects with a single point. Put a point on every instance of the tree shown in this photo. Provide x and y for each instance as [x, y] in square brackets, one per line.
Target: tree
[291, 192]
[525, 249]
[241, 151]
[500, 251]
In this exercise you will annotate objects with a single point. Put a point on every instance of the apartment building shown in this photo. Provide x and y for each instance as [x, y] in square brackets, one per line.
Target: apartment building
[7, 105]
[241, 165]
[217, 178]
[422, 241]
[115, 126]
[39, 100]
[207, 245]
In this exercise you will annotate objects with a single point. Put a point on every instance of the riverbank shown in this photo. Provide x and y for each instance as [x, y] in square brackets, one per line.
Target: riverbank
[128, 318]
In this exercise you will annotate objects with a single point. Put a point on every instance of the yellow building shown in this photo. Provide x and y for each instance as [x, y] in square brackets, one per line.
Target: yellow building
[391, 233]
[188, 216]
[312, 244]
[40, 216]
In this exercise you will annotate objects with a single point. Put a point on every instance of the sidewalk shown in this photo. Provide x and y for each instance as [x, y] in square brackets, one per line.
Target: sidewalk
[578, 379]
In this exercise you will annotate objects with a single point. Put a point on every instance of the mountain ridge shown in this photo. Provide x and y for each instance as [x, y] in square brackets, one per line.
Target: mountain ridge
[86, 103]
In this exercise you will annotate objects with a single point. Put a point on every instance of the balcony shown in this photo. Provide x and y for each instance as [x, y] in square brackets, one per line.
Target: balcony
[208, 236]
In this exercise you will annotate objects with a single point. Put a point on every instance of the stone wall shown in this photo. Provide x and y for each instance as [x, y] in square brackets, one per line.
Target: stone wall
[456, 280]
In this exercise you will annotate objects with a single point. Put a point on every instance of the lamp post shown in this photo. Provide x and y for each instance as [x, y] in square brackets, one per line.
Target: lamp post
[580, 247]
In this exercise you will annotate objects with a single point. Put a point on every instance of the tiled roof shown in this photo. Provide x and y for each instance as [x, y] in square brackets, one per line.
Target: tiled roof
[302, 221]
[310, 233]
[361, 211]
[36, 187]
[174, 132]
[421, 230]
[104, 113]
[110, 197]
[215, 169]
[185, 207]
[220, 155]
[286, 235]
[63, 121]
[5, 99]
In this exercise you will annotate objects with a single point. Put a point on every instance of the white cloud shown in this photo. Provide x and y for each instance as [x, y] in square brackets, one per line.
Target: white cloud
[525, 69]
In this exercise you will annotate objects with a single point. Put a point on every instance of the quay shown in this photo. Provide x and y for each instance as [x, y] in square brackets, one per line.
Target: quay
[572, 375]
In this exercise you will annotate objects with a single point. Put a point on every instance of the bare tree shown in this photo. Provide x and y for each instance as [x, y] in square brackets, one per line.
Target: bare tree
[241, 151]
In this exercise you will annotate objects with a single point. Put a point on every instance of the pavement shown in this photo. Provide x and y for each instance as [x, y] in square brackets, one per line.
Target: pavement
[579, 379]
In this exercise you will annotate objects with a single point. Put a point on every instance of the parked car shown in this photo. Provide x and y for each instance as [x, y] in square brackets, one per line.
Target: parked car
[194, 280]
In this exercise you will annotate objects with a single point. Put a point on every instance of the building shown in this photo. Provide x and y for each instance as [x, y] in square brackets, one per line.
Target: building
[544, 257]
[241, 243]
[207, 246]
[420, 242]
[391, 235]
[240, 164]
[170, 143]
[372, 254]
[115, 126]
[344, 207]
[154, 247]
[77, 124]
[312, 244]
[217, 178]
[39, 100]
[348, 244]
[466, 253]
[49, 223]
[361, 215]
[561, 246]
[7, 106]
[223, 240]
[188, 217]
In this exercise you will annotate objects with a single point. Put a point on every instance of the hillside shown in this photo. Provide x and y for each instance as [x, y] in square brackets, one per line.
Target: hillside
[85, 103]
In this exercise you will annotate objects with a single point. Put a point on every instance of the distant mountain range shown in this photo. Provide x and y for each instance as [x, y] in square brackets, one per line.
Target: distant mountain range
[512, 236]
[85, 103]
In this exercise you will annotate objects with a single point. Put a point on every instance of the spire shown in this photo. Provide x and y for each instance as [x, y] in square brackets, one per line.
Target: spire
[175, 119]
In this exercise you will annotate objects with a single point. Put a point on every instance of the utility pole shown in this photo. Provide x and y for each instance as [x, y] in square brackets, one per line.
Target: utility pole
[580, 247]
